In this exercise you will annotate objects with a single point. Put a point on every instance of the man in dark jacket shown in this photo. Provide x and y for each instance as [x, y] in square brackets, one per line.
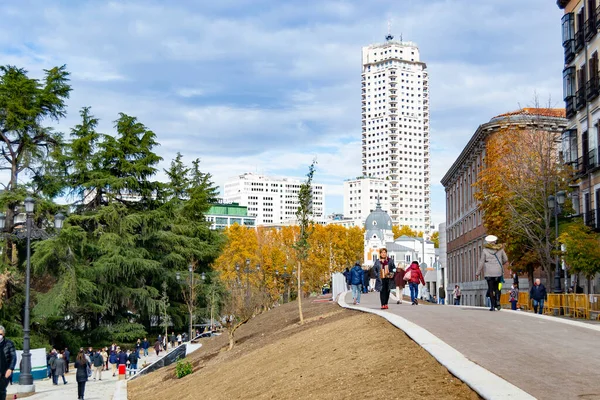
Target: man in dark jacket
[8, 360]
[133, 362]
[356, 279]
[98, 362]
[52, 364]
[145, 346]
[441, 295]
[67, 358]
[538, 294]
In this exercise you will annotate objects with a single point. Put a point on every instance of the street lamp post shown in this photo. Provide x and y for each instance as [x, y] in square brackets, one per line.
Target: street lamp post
[554, 203]
[25, 377]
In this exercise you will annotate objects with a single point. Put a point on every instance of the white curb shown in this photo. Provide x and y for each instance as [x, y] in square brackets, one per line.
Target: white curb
[485, 383]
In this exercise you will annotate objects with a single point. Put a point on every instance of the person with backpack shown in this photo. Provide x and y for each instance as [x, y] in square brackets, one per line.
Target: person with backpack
[491, 263]
[133, 362]
[98, 362]
[456, 295]
[356, 279]
[384, 268]
[414, 276]
[113, 360]
[52, 364]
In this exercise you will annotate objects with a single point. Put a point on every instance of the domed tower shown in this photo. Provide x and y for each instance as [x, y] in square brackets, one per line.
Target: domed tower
[378, 232]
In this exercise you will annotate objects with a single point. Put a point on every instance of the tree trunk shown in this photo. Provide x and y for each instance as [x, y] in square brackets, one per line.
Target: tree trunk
[300, 293]
[231, 340]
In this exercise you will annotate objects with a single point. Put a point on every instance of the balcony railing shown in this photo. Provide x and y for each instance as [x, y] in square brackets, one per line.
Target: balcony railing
[579, 40]
[590, 27]
[580, 99]
[597, 14]
[570, 106]
[592, 89]
[569, 46]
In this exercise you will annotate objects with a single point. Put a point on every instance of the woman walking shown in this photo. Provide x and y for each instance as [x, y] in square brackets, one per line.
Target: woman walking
[81, 376]
[491, 263]
[400, 283]
[514, 296]
[415, 276]
[384, 268]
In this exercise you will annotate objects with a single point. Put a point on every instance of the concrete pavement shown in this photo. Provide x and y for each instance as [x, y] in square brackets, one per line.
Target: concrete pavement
[544, 357]
[94, 390]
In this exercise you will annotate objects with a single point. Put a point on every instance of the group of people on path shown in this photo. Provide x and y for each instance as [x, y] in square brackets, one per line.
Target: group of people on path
[387, 277]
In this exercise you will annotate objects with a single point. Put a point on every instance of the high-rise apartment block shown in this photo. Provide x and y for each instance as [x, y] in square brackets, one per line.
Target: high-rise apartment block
[361, 196]
[271, 200]
[395, 128]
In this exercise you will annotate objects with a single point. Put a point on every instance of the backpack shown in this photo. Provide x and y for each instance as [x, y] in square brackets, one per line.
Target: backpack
[408, 275]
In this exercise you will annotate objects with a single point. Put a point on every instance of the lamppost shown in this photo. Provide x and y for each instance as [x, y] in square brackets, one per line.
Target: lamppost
[25, 377]
[554, 203]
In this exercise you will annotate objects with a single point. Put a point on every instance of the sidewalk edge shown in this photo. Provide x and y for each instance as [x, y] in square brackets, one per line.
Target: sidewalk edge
[121, 390]
[487, 384]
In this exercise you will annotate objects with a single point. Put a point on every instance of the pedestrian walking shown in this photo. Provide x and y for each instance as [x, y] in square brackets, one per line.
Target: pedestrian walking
[400, 283]
[145, 346]
[346, 274]
[456, 294]
[372, 279]
[105, 358]
[133, 362]
[414, 276]
[113, 360]
[538, 294]
[8, 361]
[365, 282]
[67, 358]
[173, 340]
[123, 357]
[514, 296]
[356, 278]
[491, 264]
[81, 376]
[138, 347]
[441, 295]
[60, 368]
[157, 345]
[98, 364]
[384, 268]
[52, 364]
[179, 340]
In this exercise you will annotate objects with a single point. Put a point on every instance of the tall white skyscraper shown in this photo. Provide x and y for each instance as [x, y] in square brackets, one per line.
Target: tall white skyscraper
[271, 200]
[361, 196]
[395, 128]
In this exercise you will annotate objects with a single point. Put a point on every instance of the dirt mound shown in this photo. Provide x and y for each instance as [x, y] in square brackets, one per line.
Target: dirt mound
[336, 353]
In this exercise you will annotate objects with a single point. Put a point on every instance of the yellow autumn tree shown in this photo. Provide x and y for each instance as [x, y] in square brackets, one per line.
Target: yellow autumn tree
[405, 230]
[521, 169]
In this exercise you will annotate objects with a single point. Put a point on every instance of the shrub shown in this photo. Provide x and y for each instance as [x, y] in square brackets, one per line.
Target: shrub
[183, 368]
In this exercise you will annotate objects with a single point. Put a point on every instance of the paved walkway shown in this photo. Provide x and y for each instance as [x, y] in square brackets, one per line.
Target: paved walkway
[94, 390]
[544, 357]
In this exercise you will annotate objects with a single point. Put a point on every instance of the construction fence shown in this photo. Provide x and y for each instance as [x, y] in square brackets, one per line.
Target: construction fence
[586, 306]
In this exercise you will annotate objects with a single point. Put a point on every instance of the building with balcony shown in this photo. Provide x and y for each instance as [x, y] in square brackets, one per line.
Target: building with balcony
[273, 201]
[464, 220]
[581, 89]
[395, 129]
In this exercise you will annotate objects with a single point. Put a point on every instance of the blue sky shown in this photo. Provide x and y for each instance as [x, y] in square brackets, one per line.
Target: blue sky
[267, 85]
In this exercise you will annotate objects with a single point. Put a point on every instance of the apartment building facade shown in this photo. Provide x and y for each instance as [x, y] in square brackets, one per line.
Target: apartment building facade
[581, 89]
[271, 200]
[361, 196]
[464, 219]
[395, 128]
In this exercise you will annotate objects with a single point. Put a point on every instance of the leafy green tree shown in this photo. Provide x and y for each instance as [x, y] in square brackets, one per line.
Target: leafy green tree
[582, 252]
[304, 214]
[26, 104]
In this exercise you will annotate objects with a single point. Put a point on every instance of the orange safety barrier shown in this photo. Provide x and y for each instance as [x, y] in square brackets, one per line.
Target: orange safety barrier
[553, 304]
[524, 301]
[595, 306]
[582, 306]
[504, 297]
[569, 304]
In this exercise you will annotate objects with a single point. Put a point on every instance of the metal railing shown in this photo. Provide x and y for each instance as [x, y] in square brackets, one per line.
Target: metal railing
[569, 46]
[590, 26]
[580, 99]
[592, 88]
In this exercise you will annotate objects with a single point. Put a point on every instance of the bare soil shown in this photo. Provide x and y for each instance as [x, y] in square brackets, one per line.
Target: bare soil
[334, 354]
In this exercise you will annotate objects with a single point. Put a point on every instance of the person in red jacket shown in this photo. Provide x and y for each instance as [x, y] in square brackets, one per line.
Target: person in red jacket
[416, 277]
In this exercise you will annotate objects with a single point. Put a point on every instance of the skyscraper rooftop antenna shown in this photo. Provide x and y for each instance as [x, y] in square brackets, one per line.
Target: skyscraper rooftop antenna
[389, 35]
